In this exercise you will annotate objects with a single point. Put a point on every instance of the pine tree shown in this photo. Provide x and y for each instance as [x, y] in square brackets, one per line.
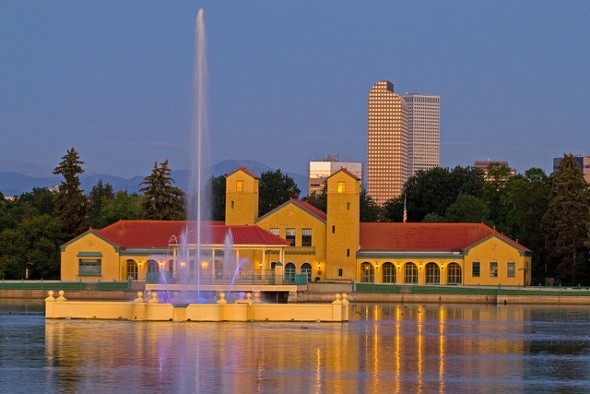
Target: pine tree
[162, 200]
[71, 206]
[566, 220]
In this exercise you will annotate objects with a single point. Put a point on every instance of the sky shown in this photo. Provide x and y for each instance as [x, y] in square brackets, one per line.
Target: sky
[288, 81]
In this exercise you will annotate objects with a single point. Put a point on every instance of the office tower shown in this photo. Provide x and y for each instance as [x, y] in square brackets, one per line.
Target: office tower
[423, 131]
[319, 171]
[387, 148]
[582, 161]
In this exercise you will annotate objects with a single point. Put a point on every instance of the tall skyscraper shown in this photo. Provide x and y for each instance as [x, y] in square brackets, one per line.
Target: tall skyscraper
[423, 131]
[387, 148]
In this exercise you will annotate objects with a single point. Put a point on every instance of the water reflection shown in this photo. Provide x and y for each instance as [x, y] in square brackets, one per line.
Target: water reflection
[385, 348]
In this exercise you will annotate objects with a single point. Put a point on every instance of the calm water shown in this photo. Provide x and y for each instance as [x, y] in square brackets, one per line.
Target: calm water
[384, 349]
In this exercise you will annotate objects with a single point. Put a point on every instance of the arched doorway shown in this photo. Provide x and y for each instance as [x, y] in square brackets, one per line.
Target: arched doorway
[306, 269]
[432, 274]
[131, 269]
[290, 273]
[389, 274]
[410, 273]
[454, 276]
[152, 271]
[367, 273]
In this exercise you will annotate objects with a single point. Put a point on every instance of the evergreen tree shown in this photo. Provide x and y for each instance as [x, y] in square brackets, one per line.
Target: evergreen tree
[218, 188]
[163, 200]
[318, 200]
[122, 206]
[98, 194]
[566, 220]
[71, 206]
[370, 210]
[275, 189]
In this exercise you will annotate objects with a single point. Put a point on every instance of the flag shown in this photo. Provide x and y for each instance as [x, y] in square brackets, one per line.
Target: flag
[405, 211]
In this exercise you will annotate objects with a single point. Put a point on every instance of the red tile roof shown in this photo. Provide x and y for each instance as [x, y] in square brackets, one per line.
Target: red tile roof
[426, 236]
[161, 233]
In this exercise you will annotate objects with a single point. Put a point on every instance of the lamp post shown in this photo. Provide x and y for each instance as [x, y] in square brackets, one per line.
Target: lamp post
[28, 269]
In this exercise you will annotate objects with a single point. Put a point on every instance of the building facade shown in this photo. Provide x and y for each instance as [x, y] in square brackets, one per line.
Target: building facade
[423, 131]
[322, 246]
[387, 143]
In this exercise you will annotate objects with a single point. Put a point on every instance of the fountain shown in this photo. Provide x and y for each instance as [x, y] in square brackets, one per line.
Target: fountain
[183, 300]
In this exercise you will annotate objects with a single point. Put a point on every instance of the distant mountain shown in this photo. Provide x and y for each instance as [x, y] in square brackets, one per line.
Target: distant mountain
[21, 177]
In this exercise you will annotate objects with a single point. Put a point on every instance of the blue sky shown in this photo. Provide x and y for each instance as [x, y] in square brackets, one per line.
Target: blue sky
[288, 80]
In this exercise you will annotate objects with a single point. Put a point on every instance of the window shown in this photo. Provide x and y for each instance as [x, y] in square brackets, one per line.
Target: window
[511, 269]
[367, 273]
[131, 269]
[475, 269]
[239, 186]
[89, 266]
[432, 273]
[340, 187]
[333, 229]
[340, 272]
[454, 274]
[275, 231]
[290, 236]
[347, 252]
[410, 273]
[348, 206]
[306, 269]
[388, 273]
[290, 273]
[306, 237]
[493, 269]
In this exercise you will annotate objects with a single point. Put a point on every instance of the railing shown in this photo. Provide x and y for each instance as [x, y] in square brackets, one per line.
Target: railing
[380, 288]
[62, 285]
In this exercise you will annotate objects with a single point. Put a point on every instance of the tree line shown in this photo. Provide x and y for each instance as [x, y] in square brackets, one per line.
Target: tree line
[548, 214]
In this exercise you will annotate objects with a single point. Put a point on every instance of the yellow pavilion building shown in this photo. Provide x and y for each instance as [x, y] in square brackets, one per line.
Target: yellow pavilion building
[298, 240]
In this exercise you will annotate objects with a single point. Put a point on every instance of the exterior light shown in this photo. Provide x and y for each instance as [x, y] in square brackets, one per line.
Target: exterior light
[319, 266]
[204, 264]
[182, 264]
[260, 265]
[377, 266]
[161, 264]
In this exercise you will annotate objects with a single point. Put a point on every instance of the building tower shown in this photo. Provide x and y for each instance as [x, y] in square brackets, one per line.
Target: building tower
[423, 131]
[387, 147]
[319, 171]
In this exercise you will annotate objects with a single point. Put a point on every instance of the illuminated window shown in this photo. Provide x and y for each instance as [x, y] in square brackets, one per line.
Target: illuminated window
[290, 236]
[367, 273]
[511, 269]
[275, 231]
[306, 237]
[493, 269]
[131, 269]
[340, 187]
[454, 274]
[389, 274]
[239, 186]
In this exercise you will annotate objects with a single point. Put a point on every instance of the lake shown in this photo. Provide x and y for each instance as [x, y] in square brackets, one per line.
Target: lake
[385, 348]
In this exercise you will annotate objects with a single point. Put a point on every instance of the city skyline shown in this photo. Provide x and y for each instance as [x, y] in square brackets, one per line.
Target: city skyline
[113, 79]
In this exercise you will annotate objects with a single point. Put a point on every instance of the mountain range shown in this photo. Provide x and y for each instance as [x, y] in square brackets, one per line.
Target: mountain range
[17, 177]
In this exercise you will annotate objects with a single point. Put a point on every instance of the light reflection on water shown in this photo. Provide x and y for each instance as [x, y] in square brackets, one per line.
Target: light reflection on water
[384, 348]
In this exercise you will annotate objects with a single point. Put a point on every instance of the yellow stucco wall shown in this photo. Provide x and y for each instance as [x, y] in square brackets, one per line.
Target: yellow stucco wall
[292, 216]
[89, 243]
[241, 202]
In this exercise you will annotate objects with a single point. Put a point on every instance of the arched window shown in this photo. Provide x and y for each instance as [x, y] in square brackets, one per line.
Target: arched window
[367, 273]
[389, 273]
[152, 271]
[454, 274]
[306, 269]
[131, 269]
[410, 273]
[432, 273]
[290, 273]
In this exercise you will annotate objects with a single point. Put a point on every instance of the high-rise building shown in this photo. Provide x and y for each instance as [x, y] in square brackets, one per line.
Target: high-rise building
[582, 161]
[387, 148]
[423, 131]
[319, 171]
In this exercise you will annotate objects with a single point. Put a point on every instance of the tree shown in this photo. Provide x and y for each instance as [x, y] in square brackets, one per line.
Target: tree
[370, 210]
[217, 186]
[494, 194]
[123, 206]
[98, 193]
[71, 206]
[467, 209]
[163, 200]
[276, 188]
[566, 220]
[318, 200]
[34, 242]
